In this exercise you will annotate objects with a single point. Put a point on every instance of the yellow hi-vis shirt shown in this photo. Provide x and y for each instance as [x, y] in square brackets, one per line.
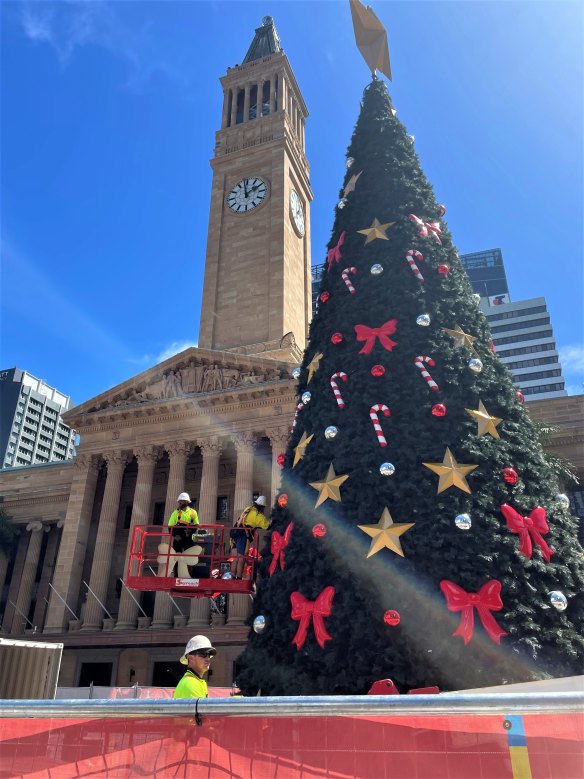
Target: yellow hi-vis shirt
[186, 517]
[191, 686]
[251, 517]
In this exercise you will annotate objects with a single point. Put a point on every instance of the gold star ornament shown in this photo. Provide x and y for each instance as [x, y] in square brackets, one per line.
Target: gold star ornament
[461, 338]
[329, 487]
[313, 365]
[300, 448]
[451, 473]
[486, 423]
[377, 230]
[386, 533]
[351, 184]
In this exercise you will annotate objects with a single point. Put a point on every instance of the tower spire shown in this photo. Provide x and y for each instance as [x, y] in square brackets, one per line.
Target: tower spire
[265, 41]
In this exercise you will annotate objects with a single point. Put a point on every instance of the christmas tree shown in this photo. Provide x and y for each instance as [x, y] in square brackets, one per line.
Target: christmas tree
[418, 534]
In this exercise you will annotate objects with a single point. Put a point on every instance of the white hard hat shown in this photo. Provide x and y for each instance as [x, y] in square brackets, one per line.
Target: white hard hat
[184, 496]
[196, 642]
[260, 501]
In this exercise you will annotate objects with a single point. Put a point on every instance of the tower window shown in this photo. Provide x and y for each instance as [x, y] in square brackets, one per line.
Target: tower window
[240, 99]
[253, 102]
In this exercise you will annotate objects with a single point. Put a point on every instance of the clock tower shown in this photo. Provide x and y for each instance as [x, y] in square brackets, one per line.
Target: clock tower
[257, 288]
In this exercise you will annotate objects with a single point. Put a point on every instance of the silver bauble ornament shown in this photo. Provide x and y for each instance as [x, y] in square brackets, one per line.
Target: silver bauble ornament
[342, 202]
[259, 623]
[349, 162]
[475, 365]
[306, 397]
[296, 373]
[558, 600]
[563, 501]
[387, 469]
[423, 320]
[477, 298]
[463, 521]
[227, 575]
[377, 269]
[331, 432]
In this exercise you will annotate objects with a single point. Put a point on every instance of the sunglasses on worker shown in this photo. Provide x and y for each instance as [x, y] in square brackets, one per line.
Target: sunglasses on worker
[204, 653]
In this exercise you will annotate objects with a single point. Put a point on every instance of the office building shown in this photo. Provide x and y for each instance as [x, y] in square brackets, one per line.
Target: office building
[522, 331]
[486, 272]
[31, 429]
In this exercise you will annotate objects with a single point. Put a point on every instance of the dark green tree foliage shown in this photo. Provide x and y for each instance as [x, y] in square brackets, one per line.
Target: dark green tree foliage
[422, 649]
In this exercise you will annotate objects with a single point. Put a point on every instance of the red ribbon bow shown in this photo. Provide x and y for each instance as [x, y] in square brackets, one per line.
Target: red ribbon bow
[432, 229]
[531, 528]
[305, 610]
[278, 544]
[369, 334]
[334, 254]
[487, 599]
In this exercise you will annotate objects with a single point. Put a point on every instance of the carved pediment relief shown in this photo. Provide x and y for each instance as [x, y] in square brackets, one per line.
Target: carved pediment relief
[192, 372]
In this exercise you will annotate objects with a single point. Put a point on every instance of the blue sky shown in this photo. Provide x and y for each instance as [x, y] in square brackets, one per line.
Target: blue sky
[109, 111]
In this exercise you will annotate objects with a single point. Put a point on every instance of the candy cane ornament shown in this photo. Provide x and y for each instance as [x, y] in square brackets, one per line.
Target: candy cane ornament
[299, 408]
[375, 421]
[419, 363]
[347, 280]
[412, 255]
[339, 398]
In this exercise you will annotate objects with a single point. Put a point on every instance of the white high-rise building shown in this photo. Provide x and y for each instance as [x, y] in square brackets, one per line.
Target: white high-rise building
[31, 429]
[524, 339]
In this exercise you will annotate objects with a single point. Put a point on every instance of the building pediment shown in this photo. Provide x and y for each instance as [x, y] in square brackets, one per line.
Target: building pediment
[194, 372]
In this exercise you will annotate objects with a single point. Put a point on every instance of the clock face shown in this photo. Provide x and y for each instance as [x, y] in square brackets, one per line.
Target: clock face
[297, 212]
[247, 194]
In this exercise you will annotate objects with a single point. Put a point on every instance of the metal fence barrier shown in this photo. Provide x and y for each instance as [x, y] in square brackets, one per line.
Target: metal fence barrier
[307, 706]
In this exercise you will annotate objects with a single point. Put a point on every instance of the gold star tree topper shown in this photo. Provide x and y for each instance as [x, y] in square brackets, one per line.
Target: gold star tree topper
[461, 338]
[386, 533]
[300, 448]
[351, 184]
[486, 423]
[371, 38]
[451, 473]
[314, 365]
[329, 487]
[377, 230]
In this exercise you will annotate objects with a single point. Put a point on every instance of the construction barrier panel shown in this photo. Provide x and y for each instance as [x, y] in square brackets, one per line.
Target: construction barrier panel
[528, 736]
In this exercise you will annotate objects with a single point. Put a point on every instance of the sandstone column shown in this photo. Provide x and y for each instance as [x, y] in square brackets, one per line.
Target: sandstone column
[27, 579]
[106, 532]
[260, 100]
[147, 457]
[238, 609]
[278, 440]
[234, 96]
[224, 116]
[211, 450]
[244, 445]
[43, 590]
[178, 452]
[272, 93]
[246, 102]
[17, 568]
[200, 613]
[71, 554]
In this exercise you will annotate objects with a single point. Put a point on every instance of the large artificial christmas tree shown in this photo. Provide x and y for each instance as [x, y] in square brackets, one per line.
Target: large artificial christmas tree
[418, 534]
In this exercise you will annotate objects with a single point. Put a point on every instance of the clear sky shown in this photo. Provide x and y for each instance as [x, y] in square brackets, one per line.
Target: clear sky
[109, 111]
